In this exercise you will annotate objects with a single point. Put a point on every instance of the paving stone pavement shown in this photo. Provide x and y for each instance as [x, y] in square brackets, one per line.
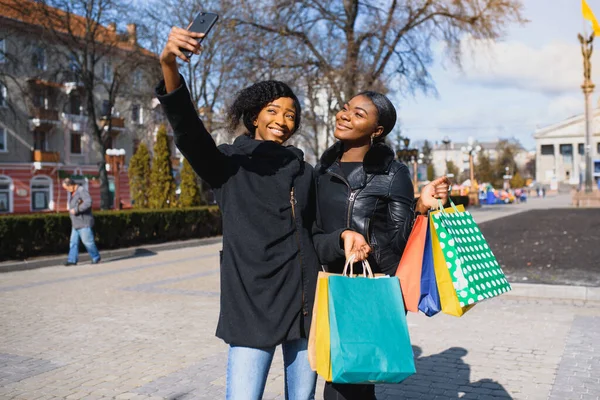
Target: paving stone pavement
[143, 328]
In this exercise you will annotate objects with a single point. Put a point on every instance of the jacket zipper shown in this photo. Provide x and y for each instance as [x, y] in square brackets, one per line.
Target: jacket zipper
[293, 203]
[351, 198]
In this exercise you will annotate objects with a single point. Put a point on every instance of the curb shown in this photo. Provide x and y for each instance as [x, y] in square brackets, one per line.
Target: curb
[541, 291]
[13, 266]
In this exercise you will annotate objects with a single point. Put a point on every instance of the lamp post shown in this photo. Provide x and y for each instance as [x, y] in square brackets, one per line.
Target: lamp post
[410, 155]
[471, 150]
[588, 88]
[446, 140]
[115, 159]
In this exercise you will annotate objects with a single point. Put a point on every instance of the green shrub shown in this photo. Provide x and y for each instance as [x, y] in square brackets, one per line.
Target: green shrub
[26, 236]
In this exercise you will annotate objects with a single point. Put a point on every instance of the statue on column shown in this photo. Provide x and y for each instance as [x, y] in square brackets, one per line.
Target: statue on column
[587, 46]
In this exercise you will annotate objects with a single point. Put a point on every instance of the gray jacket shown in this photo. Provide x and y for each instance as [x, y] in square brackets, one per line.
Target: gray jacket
[81, 202]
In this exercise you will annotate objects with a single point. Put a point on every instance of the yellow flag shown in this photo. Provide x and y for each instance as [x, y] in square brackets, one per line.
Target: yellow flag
[589, 15]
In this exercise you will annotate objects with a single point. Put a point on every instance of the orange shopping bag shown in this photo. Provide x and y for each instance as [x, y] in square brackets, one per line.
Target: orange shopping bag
[411, 264]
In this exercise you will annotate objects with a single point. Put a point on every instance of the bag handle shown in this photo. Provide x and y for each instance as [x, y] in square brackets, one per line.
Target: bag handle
[350, 263]
[441, 206]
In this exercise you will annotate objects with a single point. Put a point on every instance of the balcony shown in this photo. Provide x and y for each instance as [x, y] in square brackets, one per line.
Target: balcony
[43, 114]
[45, 156]
[116, 123]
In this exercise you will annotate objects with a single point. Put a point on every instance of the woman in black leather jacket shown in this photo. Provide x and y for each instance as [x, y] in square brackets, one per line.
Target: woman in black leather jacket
[361, 186]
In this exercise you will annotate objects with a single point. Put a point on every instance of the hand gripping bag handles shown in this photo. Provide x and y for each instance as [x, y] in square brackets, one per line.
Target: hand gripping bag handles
[369, 340]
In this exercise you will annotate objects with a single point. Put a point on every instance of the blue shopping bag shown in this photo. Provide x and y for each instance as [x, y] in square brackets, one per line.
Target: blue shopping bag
[369, 335]
[429, 303]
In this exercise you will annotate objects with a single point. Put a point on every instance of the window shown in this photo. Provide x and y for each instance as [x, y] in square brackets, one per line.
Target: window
[136, 114]
[105, 107]
[3, 95]
[137, 79]
[108, 142]
[547, 149]
[39, 98]
[75, 143]
[136, 145]
[6, 194]
[3, 144]
[2, 51]
[39, 141]
[41, 193]
[598, 148]
[39, 58]
[74, 106]
[566, 149]
[107, 73]
[581, 149]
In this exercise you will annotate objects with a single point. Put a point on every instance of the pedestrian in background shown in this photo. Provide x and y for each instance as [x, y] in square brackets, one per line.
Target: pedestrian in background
[82, 222]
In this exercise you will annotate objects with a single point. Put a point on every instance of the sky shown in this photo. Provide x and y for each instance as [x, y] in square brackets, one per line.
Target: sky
[531, 78]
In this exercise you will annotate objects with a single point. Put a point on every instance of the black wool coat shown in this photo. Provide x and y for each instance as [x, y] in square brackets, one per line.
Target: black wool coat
[269, 262]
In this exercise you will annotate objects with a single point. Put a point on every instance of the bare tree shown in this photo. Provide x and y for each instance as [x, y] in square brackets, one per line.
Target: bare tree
[353, 45]
[379, 40]
[88, 49]
[219, 71]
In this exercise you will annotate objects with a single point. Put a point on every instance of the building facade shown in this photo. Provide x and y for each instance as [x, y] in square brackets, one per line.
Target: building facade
[44, 128]
[456, 153]
[560, 151]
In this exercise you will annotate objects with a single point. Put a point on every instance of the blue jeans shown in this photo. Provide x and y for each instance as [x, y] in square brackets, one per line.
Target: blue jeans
[247, 371]
[87, 237]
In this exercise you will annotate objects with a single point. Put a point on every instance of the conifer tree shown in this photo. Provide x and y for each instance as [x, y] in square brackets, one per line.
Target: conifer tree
[191, 194]
[162, 183]
[139, 176]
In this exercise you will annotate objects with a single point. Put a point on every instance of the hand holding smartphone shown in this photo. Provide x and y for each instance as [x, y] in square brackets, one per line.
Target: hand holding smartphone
[203, 23]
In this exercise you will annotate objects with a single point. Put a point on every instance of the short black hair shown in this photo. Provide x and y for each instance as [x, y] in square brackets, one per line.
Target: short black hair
[252, 99]
[69, 182]
[386, 112]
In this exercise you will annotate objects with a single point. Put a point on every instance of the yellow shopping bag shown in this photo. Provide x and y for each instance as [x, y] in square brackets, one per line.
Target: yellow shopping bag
[448, 297]
[322, 338]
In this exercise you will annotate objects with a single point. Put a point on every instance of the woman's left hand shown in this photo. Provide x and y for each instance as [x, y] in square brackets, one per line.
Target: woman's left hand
[432, 192]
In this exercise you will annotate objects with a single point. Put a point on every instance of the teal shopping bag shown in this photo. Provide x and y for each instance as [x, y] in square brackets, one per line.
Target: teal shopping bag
[369, 334]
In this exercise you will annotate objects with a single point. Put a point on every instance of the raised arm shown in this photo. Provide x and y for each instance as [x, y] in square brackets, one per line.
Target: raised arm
[191, 137]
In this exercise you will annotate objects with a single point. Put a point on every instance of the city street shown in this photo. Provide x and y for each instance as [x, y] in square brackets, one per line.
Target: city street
[143, 328]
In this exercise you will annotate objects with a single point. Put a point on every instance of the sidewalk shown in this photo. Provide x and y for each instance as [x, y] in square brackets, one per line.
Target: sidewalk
[143, 329]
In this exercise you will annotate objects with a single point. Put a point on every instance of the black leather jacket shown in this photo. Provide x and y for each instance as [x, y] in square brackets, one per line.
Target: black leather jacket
[376, 200]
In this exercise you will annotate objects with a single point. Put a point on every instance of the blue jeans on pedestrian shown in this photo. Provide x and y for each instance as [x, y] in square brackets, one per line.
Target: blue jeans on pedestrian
[248, 368]
[87, 237]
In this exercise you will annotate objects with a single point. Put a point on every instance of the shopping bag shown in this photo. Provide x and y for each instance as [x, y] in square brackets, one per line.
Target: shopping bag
[321, 301]
[476, 273]
[448, 297]
[409, 268]
[429, 302]
[369, 334]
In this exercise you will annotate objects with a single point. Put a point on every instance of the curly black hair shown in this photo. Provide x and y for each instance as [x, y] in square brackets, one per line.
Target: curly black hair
[252, 99]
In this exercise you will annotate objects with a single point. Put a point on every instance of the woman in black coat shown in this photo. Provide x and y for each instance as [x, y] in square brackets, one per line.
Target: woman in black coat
[361, 186]
[266, 194]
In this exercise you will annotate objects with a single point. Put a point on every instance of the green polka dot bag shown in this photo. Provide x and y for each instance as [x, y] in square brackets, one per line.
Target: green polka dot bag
[475, 272]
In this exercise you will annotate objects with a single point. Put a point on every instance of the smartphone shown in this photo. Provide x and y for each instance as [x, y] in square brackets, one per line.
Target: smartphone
[203, 23]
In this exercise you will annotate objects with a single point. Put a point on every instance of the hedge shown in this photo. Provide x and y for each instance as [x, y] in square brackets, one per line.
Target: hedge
[25, 236]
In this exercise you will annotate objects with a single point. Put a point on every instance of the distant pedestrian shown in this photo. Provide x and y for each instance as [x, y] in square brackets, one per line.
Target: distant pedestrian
[82, 222]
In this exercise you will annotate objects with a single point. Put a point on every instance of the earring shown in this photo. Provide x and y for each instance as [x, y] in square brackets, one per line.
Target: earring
[372, 138]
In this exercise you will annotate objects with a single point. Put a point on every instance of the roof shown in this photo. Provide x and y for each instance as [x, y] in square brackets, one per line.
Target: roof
[32, 12]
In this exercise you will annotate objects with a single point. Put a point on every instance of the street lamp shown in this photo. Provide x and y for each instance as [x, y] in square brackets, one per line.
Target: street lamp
[410, 155]
[446, 140]
[115, 159]
[471, 150]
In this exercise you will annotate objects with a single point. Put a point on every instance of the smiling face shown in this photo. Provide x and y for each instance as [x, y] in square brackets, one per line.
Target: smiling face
[276, 121]
[357, 121]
